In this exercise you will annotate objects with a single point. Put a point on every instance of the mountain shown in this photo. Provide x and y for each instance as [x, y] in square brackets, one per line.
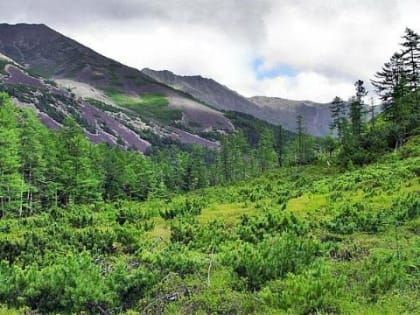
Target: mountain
[120, 105]
[152, 110]
[316, 115]
[274, 110]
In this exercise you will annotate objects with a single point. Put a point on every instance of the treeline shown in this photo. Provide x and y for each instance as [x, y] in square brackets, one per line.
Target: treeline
[40, 168]
[361, 133]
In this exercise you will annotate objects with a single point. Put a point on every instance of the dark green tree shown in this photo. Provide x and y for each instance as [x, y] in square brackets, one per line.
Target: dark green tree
[338, 114]
[267, 153]
[11, 182]
[357, 110]
[280, 142]
[32, 155]
[303, 143]
[77, 176]
[411, 57]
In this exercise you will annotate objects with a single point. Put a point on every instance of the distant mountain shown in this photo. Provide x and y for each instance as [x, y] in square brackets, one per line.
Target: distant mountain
[120, 105]
[274, 110]
[158, 112]
[205, 90]
[316, 115]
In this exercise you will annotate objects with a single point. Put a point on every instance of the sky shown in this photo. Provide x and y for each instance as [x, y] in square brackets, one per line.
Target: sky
[296, 49]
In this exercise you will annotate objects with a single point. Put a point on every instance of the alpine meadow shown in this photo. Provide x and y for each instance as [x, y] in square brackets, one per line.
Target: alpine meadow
[126, 191]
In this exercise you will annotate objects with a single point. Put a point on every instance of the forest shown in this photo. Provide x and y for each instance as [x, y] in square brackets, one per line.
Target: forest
[271, 223]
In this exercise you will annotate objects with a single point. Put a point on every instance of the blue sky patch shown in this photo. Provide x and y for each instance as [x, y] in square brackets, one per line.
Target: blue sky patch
[278, 71]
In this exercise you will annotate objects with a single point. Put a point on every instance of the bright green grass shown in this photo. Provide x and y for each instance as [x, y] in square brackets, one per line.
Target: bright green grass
[314, 194]
[149, 106]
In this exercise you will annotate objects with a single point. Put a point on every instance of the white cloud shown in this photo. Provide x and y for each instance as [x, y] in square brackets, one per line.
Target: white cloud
[330, 43]
[306, 86]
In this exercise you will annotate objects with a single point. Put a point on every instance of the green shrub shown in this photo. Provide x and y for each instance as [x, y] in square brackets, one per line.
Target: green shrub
[181, 207]
[253, 229]
[386, 271]
[316, 290]
[72, 283]
[270, 259]
[354, 217]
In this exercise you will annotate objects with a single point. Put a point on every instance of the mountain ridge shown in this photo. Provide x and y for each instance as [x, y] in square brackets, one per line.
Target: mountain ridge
[275, 110]
[191, 110]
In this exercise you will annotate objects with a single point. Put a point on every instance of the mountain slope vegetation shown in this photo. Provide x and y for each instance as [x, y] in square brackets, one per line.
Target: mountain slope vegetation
[273, 110]
[301, 240]
[267, 222]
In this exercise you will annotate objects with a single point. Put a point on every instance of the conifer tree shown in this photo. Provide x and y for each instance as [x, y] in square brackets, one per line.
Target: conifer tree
[338, 114]
[357, 110]
[303, 150]
[32, 155]
[267, 154]
[77, 175]
[279, 145]
[411, 58]
[11, 182]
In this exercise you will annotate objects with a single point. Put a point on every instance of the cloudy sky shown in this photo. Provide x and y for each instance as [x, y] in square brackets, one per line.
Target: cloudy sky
[298, 49]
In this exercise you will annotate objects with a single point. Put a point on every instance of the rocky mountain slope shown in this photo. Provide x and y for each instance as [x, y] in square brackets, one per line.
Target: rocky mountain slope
[113, 103]
[159, 112]
[316, 115]
[273, 110]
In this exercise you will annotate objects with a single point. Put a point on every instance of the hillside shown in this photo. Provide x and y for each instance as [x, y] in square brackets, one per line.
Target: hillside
[316, 116]
[271, 109]
[300, 240]
[225, 213]
[44, 54]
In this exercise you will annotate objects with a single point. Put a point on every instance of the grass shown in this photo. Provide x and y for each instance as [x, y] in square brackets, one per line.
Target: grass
[229, 213]
[306, 203]
[149, 106]
[10, 311]
[314, 194]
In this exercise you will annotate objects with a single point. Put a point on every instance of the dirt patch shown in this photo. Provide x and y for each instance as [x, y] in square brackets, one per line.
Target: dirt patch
[199, 116]
[84, 90]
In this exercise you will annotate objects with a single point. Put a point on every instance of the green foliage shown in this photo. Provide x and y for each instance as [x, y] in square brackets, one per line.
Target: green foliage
[271, 258]
[10, 179]
[149, 106]
[253, 229]
[94, 229]
[71, 284]
[181, 207]
[356, 217]
[316, 290]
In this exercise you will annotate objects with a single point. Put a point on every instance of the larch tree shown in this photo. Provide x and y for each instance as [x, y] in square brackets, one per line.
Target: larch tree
[357, 110]
[11, 181]
[34, 164]
[338, 110]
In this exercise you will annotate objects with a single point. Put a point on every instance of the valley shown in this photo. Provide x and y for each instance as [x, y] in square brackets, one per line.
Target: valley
[126, 191]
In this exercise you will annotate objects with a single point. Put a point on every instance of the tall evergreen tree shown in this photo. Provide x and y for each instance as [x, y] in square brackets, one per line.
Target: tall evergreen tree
[338, 113]
[279, 145]
[11, 182]
[267, 154]
[77, 175]
[390, 83]
[357, 110]
[303, 145]
[32, 155]
[411, 57]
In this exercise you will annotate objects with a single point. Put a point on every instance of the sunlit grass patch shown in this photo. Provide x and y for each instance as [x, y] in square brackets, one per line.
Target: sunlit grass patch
[229, 213]
[150, 106]
[306, 203]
